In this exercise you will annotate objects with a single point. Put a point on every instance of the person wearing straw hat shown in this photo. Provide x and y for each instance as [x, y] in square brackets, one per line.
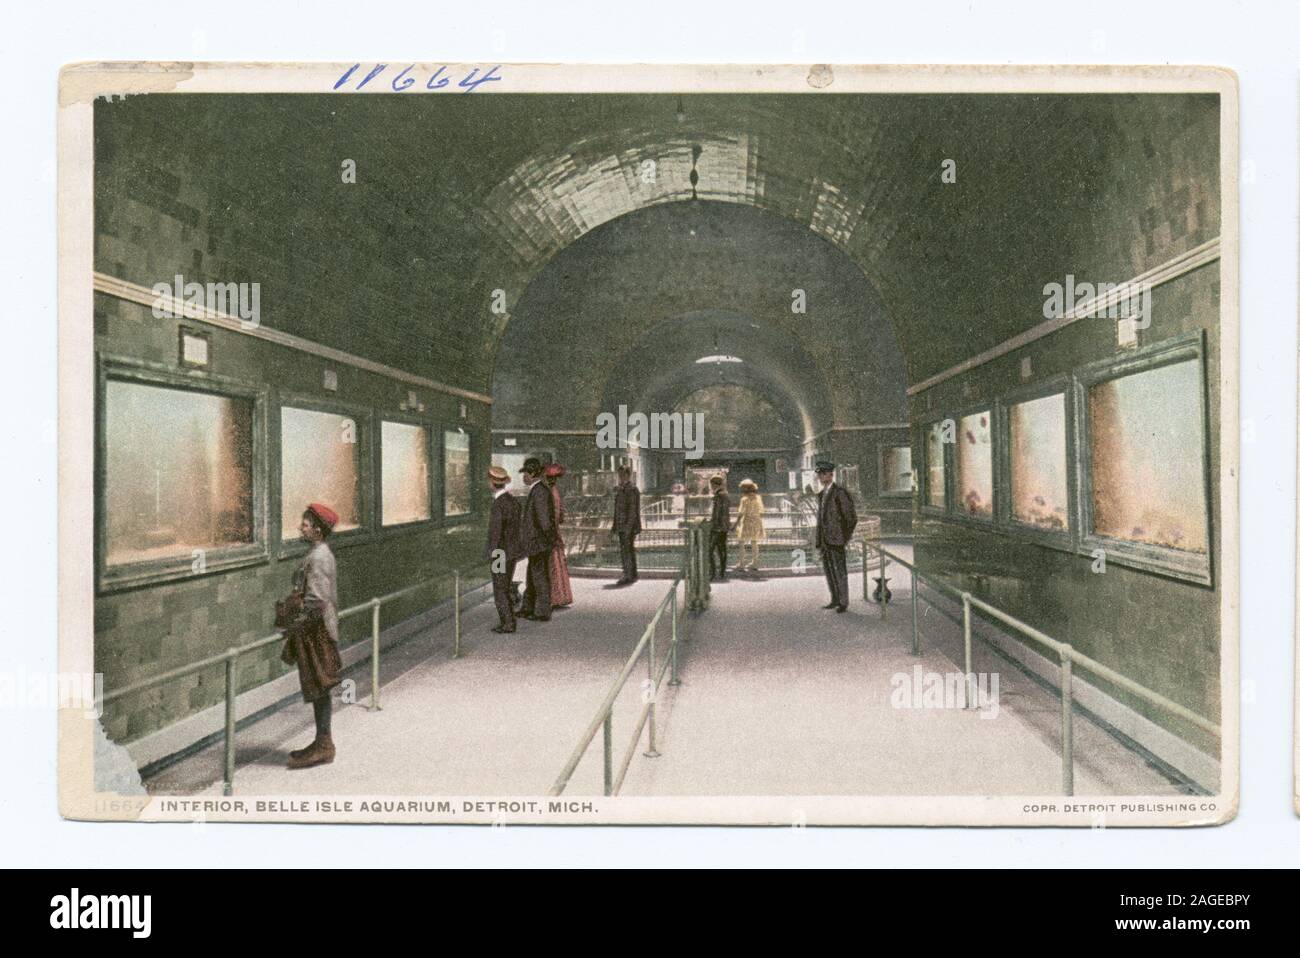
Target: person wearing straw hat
[504, 548]
[836, 519]
[749, 520]
[312, 637]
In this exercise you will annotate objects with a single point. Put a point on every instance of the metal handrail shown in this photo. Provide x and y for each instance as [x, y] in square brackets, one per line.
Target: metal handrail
[694, 575]
[605, 714]
[232, 654]
[1068, 655]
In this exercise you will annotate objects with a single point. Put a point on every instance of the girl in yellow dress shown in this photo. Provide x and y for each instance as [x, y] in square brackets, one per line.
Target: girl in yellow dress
[749, 520]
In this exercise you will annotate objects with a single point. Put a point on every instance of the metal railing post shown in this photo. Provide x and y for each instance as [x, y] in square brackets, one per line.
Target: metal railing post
[965, 630]
[609, 753]
[686, 619]
[866, 571]
[697, 566]
[374, 654]
[702, 565]
[651, 751]
[228, 785]
[455, 585]
[884, 564]
[916, 629]
[1067, 724]
[672, 649]
[704, 568]
[693, 566]
[688, 566]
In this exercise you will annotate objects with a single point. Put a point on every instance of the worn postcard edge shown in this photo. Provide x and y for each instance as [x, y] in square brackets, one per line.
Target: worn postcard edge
[81, 83]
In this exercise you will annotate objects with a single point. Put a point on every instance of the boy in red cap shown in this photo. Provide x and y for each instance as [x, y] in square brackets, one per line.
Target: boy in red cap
[313, 636]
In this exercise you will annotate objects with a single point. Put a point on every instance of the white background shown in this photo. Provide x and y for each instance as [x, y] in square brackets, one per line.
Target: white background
[1258, 40]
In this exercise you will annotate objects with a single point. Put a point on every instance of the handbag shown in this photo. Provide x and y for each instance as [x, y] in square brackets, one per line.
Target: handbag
[286, 613]
[287, 610]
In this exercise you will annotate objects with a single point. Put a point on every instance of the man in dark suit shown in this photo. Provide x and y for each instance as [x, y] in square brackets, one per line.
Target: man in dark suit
[627, 522]
[719, 526]
[836, 518]
[537, 532]
[504, 547]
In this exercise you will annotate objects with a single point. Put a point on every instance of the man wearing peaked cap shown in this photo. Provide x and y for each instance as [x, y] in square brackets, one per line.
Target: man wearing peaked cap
[537, 532]
[504, 548]
[627, 522]
[719, 526]
[836, 519]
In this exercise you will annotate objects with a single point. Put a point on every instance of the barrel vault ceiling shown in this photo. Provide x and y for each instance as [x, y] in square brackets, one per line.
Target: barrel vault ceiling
[461, 195]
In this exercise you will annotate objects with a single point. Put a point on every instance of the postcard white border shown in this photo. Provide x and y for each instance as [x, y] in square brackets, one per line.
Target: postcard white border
[81, 83]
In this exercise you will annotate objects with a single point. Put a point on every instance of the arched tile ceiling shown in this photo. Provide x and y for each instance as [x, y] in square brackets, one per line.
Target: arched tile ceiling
[663, 370]
[458, 196]
[621, 314]
[738, 419]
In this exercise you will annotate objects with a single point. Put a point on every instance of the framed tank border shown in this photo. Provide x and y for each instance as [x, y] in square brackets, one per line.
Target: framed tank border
[1064, 540]
[955, 514]
[180, 566]
[367, 471]
[1164, 560]
[923, 475]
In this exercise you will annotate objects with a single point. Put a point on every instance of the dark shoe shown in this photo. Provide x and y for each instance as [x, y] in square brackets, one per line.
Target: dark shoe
[537, 618]
[319, 752]
[499, 630]
[831, 605]
[841, 608]
[300, 752]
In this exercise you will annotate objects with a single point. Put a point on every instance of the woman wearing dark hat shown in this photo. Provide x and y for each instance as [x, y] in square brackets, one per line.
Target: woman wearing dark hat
[313, 635]
[561, 588]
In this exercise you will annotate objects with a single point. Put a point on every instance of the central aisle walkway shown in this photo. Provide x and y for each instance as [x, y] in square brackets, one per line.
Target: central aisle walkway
[778, 698]
[783, 698]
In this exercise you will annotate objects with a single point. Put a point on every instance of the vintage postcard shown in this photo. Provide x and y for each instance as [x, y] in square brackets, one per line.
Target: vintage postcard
[572, 444]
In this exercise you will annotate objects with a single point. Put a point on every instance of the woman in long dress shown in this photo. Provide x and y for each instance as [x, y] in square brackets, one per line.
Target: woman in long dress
[313, 635]
[561, 589]
[749, 519]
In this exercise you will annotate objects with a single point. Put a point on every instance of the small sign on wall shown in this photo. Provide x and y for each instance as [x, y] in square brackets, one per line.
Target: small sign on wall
[1126, 333]
[195, 348]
